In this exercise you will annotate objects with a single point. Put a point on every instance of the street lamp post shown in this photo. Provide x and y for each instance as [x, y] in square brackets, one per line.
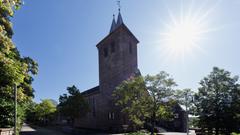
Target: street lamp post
[15, 112]
[186, 104]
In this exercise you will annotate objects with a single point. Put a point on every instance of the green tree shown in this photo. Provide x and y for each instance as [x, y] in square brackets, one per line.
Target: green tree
[185, 97]
[45, 110]
[73, 104]
[217, 102]
[133, 99]
[146, 98]
[14, 69]
[160, 88]
[31, 112]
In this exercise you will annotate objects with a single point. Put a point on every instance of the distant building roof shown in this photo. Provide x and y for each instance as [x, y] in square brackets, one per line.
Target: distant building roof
[92, 91]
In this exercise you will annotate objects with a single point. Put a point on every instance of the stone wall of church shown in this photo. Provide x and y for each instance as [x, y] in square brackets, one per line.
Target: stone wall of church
[103, 116]
[95, 117]
[117, 60]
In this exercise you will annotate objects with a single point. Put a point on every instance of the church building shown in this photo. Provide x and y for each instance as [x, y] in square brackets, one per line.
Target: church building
[117, 54]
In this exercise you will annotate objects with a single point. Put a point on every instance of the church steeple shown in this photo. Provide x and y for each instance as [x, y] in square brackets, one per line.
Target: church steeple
[120, 20]
[114, 25]
[117, 54]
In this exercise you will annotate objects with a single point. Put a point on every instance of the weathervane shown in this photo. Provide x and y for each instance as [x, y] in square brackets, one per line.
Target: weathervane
[119, 5]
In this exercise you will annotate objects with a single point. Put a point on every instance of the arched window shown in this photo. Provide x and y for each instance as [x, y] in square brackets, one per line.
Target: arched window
[111, 116]
[112, 47]
[105, 51]
[130, 48]
[93, 107]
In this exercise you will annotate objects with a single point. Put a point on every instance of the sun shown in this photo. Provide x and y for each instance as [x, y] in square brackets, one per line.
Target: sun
[184, 32]
[183, 36]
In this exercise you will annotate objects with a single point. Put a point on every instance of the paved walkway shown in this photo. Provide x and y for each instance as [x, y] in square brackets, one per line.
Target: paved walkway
[175, 133]
[27, 130]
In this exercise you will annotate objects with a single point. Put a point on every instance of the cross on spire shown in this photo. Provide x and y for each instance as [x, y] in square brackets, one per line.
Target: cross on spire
[116, 24]
[119, 20]
[119, 5]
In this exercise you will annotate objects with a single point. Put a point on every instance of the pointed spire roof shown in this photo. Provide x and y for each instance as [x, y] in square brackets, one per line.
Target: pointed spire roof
[114, 25]
[120, 20]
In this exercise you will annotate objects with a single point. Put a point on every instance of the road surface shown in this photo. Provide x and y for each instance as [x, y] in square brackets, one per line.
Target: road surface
[175, 133]
[28, 130]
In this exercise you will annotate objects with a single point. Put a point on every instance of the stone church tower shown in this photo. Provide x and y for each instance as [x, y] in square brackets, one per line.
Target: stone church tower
[117, 54]
[117, 57]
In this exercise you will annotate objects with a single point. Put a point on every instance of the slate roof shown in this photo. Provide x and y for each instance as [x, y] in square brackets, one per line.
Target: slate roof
[117, 25]
[92, 91]
[113, 26]
[116, 29]
[120, 20]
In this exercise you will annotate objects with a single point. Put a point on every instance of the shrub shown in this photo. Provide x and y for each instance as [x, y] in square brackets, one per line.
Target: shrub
[235, 133]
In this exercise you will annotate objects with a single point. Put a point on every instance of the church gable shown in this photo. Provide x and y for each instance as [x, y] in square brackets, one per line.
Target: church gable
[120, 30]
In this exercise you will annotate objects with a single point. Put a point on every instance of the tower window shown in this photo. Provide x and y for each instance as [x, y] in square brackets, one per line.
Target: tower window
[93, 107]
[111, 116]
[130, 48]
[105, 51]
[112, 47]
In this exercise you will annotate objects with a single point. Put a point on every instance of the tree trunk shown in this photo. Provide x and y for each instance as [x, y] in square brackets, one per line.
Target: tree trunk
[217, 123]
[153, 123]
[72, 122]
[217, 131]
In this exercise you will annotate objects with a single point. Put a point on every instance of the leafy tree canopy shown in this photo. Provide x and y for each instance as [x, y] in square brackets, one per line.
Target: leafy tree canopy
[41, 113]
[185, 97]
[133, 98]
[46, 107]
[146, 98]
[73, 104]
[217, 102]
[14, 69]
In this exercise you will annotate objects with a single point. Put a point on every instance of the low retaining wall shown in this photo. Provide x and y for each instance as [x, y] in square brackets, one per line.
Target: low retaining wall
[6, 131]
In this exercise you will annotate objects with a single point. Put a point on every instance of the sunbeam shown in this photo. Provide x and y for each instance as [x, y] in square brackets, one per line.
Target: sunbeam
[184, 32]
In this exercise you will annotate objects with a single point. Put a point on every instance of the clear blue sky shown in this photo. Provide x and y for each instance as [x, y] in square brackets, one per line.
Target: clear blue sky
[61, 35]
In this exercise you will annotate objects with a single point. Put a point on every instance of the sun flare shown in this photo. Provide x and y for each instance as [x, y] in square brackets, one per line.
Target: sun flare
[183, 37]
[184, 32]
